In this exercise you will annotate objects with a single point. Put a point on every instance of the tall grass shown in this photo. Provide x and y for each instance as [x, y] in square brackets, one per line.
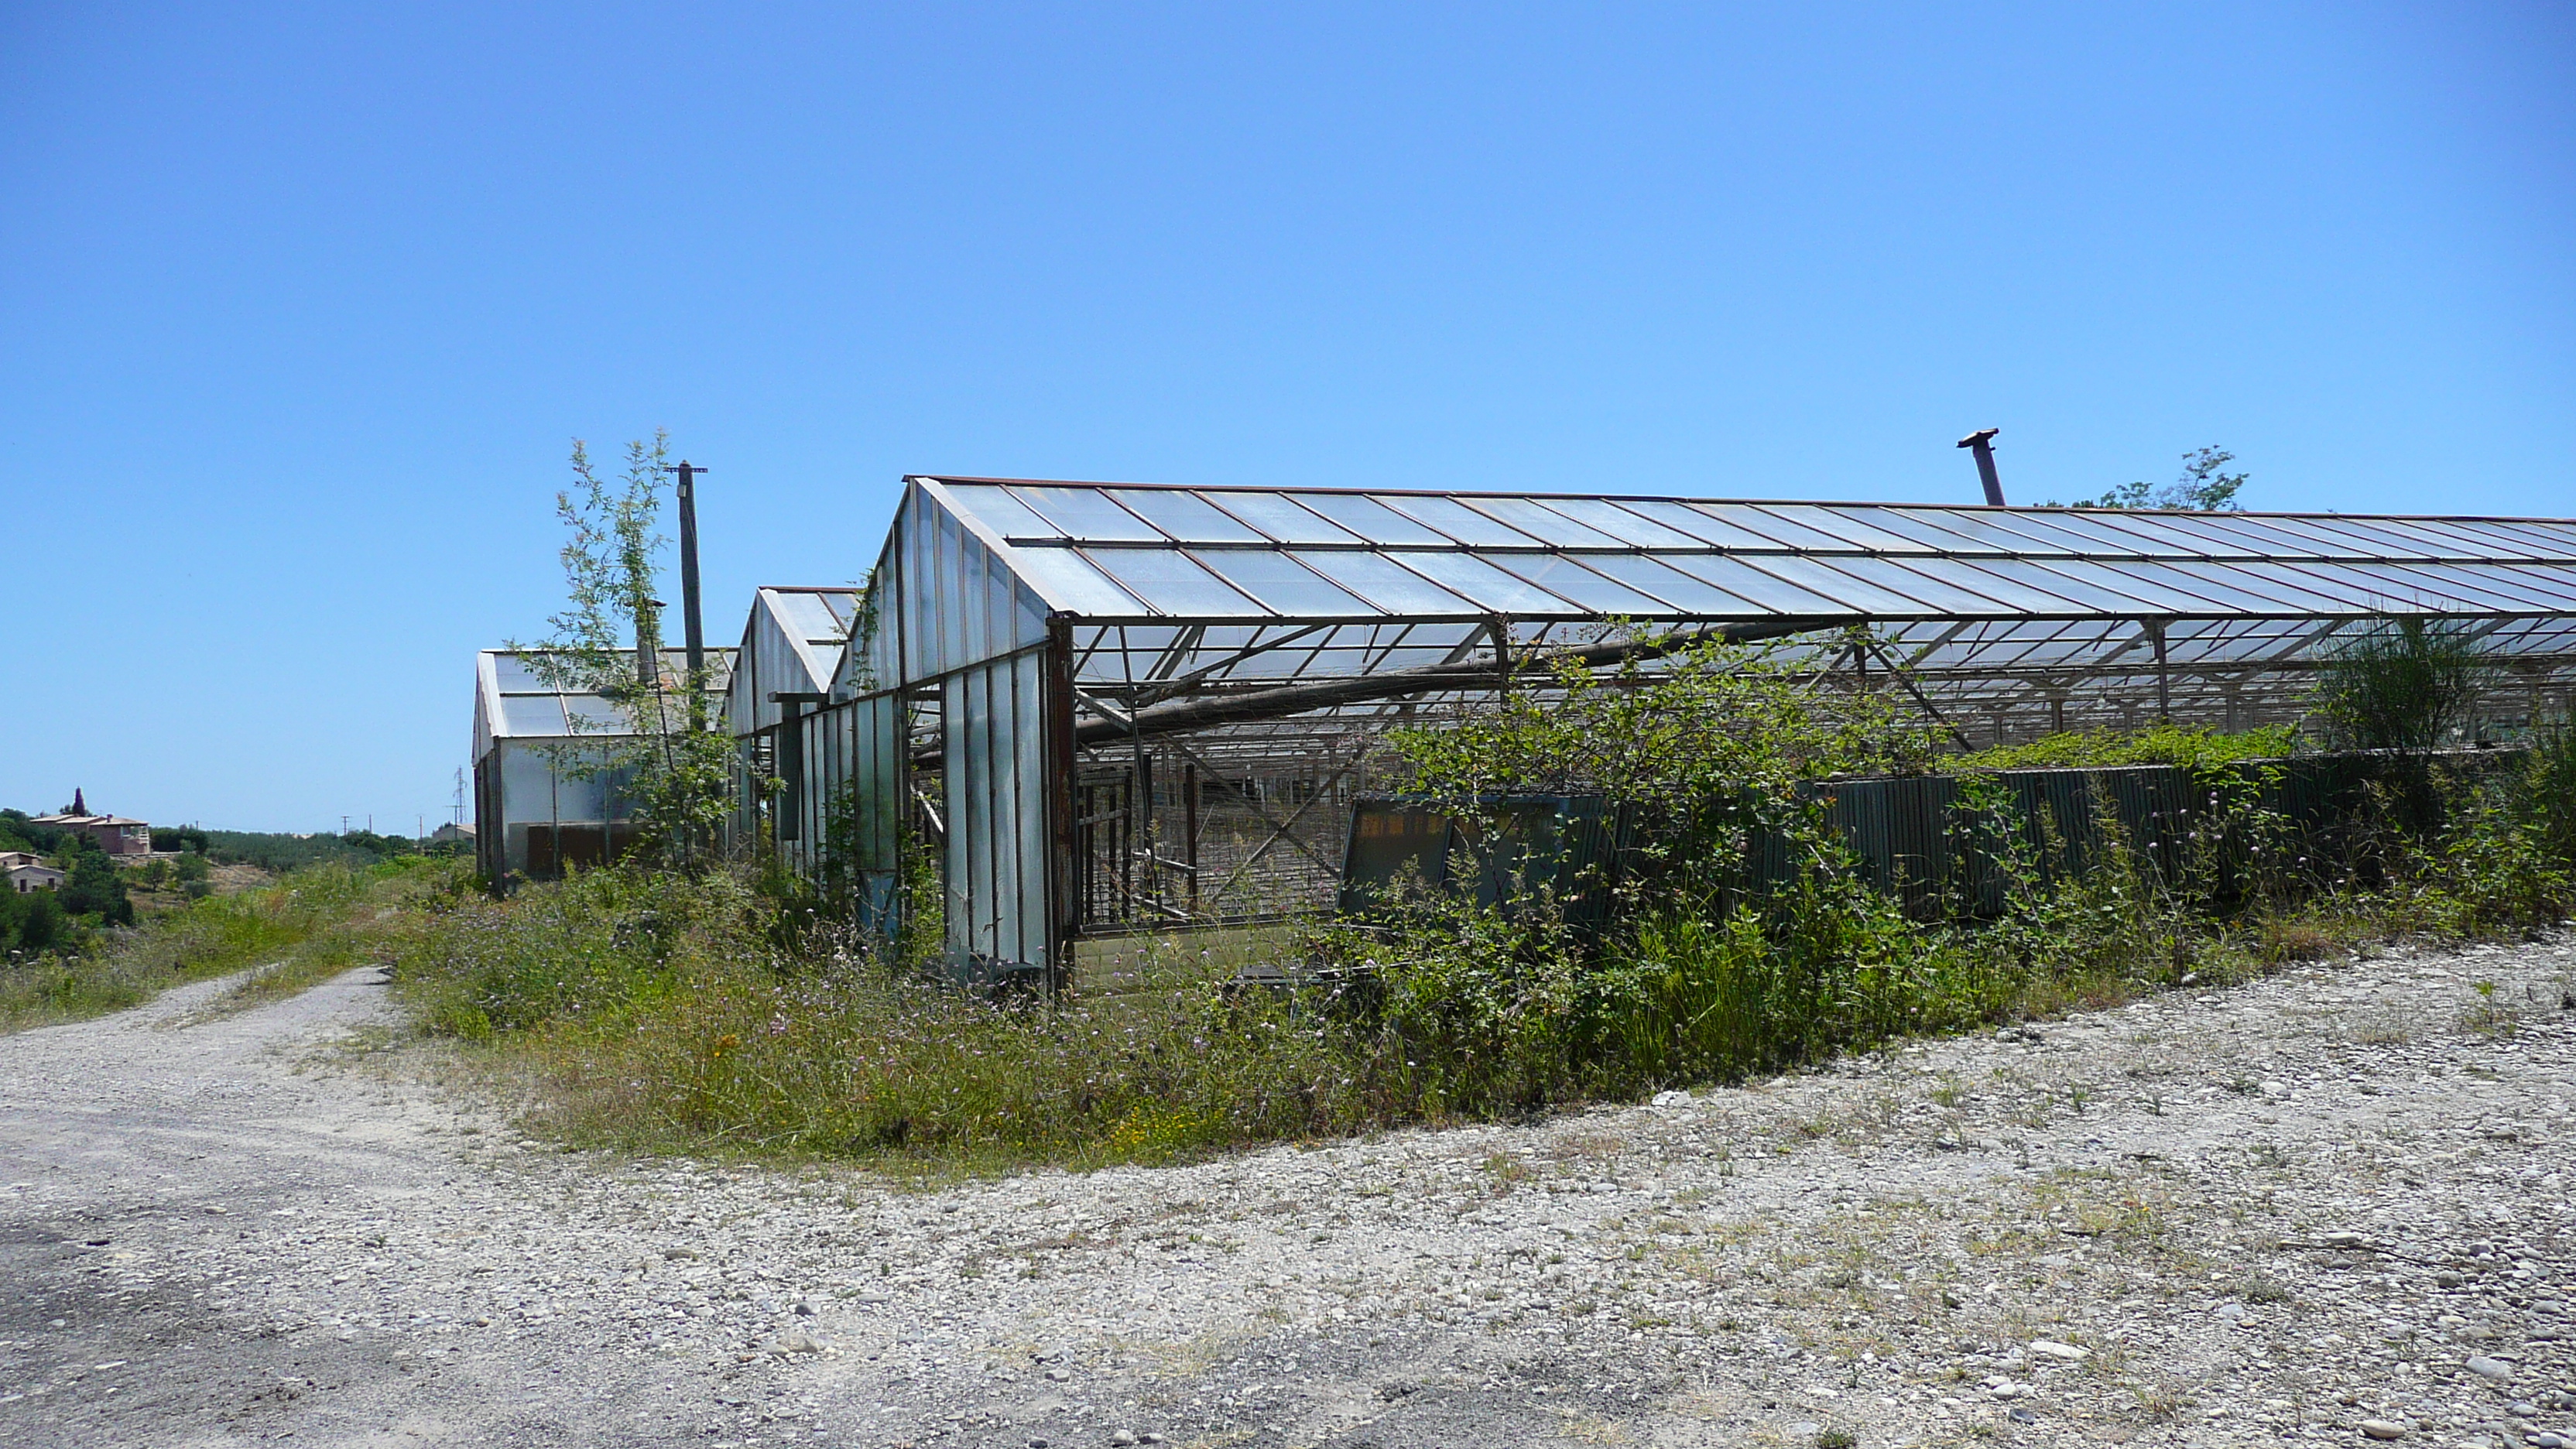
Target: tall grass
[306, 925]
[661, 1012]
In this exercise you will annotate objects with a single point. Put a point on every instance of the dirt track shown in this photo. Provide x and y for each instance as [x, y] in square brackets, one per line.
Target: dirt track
[2264, 1215]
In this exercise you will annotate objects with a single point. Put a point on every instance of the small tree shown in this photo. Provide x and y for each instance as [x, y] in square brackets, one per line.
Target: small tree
[92, 887]
[32, 922]
[2400, 683]
[2204, 487]
[675, 770]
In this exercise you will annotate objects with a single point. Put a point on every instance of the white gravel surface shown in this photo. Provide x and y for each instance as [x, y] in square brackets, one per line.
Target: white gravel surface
[2331, 1206]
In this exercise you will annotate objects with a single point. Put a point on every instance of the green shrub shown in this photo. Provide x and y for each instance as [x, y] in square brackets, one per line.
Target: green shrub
[2400, 683]
[2196, 749]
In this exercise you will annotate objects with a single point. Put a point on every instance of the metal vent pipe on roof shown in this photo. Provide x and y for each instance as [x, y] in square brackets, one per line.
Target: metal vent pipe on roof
[1983, 441]
[648, 658]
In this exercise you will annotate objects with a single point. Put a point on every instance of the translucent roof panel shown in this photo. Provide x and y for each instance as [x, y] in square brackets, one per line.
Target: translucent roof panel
[1548, 525]
[1172, 582]
[1283, 518]
[1390, 585]
[1187, 517]
[1089, 515]
[1287, 586]
[1664, 579]
[1847, 528]
[817, 616]
[1776, 524]
[1489, 588]
[1593, 590]
[1134, 552]
[1006, 515]
[515, 675]
[1461, 524]
[532, 714]
[1073, 582]
[1370, 520]
[592, 715]
[1768, 592]
[516, 701]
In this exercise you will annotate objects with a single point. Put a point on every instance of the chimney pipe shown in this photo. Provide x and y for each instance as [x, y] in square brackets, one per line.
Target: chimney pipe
[1983, 440]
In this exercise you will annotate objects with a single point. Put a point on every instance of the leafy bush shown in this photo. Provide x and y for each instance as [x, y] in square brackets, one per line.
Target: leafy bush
[2400, 683]
[32, 923]
[2545, 796]
[2196, 749]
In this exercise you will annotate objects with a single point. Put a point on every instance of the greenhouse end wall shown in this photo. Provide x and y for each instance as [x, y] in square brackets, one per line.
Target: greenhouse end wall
[952, 646]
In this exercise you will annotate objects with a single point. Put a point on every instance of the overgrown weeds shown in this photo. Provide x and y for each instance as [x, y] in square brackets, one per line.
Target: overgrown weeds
[661, 1013]
[670, 1011]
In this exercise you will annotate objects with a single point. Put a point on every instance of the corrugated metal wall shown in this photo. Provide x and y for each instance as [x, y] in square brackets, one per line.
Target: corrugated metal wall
[1910, 834]
[1917, 836]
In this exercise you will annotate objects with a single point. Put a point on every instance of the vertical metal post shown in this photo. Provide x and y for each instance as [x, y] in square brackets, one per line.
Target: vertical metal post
[1982, 443]
[1149, 832]
[1064, 904]
[1190, 825]
[2164, 673]
[791, 768]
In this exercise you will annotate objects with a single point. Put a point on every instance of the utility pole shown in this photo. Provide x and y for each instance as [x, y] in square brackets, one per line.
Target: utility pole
[686, 475]
[1983, 441]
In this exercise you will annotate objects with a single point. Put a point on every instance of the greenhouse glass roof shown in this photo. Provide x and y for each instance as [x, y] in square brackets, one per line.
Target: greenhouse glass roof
[792, 643]
[1172, 590]
[1130, 552]
[512, 700]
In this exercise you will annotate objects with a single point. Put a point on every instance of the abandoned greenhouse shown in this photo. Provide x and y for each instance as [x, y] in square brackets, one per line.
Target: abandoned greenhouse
[543, 797]
[791, 651]
[1112, 707]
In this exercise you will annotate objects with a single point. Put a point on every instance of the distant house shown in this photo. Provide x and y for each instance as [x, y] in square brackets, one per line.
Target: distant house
[445, 833]
[25, 873]
[115, 834]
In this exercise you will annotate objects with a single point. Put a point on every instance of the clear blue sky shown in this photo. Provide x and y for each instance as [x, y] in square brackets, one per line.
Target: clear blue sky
[301, 305]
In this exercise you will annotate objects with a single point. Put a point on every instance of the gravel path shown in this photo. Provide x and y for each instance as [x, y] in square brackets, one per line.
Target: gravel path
[2333, 1204]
